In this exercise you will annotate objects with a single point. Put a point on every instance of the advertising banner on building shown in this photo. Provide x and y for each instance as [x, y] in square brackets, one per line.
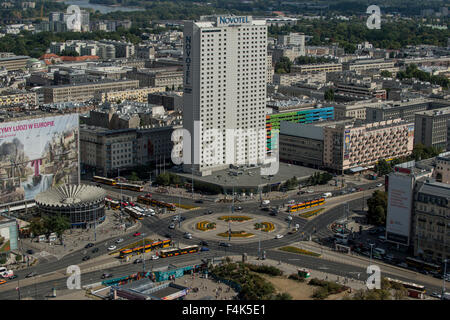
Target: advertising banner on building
[398, 218]
[347, 144]
[36, 154]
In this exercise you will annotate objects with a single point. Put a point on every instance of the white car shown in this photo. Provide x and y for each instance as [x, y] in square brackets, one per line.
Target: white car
[279, 236]
[154, 257]
[289, 218]
[291, 201]
[119, 240]
[310, 191]
[379, 185]
[111, 248]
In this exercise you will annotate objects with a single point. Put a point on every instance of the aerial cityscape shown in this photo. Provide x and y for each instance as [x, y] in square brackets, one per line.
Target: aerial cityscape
[224, 150]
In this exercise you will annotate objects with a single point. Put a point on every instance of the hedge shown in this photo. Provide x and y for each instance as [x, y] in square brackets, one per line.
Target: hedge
[299, 251]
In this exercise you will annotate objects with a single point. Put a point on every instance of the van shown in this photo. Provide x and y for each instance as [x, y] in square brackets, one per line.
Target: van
[327, 194]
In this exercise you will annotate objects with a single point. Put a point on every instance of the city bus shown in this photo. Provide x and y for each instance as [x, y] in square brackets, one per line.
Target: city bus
[306, 204]
[416, 263]
[129, 186]
[134, 213]
[154, 202]
[304, 273]
[414, 290]
[104, 180]
[145, 248]
[175, 252]
[113, 204]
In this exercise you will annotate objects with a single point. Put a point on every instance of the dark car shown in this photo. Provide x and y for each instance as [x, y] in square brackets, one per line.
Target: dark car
[137, 261]
[14, 276]
[106, 275]
[167, 235]
[182, 219]
[89, 245]
[203, 243]
[32, 274]
[30, 251]
[198, 201]
[238, 208]
[224, 244]
[94, 250]
[86, 258]
[210, 212]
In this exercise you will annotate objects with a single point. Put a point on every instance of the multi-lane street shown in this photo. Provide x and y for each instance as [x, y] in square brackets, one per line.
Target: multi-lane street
[159, 225]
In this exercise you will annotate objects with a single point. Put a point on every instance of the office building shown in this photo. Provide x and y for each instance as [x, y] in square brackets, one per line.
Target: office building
[14, 63]
[442, 170]
[225, 76]
[139, 95]
[319, 67]
[431, 127]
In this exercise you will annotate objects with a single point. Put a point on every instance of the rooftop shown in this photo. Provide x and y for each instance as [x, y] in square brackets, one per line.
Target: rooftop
[69, 195]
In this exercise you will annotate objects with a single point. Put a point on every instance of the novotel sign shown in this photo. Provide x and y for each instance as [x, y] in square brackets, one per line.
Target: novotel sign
[234, 20]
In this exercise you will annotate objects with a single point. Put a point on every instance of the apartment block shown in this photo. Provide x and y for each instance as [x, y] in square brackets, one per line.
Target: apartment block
[319, 67]
[18, 97]
[353, 145]
[139, 95]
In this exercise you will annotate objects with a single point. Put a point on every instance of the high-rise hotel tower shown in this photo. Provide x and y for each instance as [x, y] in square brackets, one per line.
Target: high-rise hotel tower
[224, 92]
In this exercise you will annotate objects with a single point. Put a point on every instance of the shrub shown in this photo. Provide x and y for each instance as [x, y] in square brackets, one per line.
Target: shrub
[320, 293]
[270, 270]
[18, 257]
[299, 251]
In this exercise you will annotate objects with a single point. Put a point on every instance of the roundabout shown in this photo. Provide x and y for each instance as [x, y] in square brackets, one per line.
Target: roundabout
[245, 227]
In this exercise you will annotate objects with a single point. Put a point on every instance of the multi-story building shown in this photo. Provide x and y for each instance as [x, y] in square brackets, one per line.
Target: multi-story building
[171, 77]
[290, 52]
[287, 79]
[396, 109]
[353, 109]
[360, 90]
[301, 144]
[169, 100]
[379, 64]
[85, 91]
[347, 146]
[431, 127]
[305, 115]
[448, 135]
[442, 171]
[320, 67]
[18, 97]
[225, 76]
[139, 95]
[14, 63]
[431, 230]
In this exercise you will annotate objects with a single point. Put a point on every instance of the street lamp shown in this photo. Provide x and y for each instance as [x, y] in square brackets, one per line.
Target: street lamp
[371, 246]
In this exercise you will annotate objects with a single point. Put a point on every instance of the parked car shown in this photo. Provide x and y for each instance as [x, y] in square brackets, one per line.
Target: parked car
[111, 248]
[89, 245]
[106, 275]
[137, 261]
[86, 258]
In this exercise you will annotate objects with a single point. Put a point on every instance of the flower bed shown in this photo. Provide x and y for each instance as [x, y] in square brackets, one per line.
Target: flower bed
[310, 214]
[299, 251]
[206, 225]
[265, 226]
[237, 234]
[234, 218]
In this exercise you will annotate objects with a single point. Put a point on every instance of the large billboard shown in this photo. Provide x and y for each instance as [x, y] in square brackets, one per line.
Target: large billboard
[398, 220]
[36, 154]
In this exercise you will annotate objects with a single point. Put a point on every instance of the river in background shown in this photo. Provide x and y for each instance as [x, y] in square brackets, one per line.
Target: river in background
[100, 7]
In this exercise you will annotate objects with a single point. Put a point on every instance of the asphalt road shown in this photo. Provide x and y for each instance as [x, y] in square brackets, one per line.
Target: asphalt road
[159, 224]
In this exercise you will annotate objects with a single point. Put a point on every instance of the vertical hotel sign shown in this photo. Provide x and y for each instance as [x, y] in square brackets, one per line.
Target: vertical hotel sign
[187, 63]
[347, 144]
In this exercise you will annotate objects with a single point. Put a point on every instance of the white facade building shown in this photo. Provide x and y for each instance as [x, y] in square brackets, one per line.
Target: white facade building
[225, 76]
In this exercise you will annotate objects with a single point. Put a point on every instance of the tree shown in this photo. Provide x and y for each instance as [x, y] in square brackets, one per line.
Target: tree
[163, 179]
[383, 167]
[386, 74]
[377, 204]
[283, 66]
[329, 95]
[37, 226]
[133, 177]
[69, 53]
[57, 224]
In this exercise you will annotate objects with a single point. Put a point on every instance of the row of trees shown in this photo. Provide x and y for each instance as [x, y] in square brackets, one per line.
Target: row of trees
[377, 211]
[319, 178]
[412, 71]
